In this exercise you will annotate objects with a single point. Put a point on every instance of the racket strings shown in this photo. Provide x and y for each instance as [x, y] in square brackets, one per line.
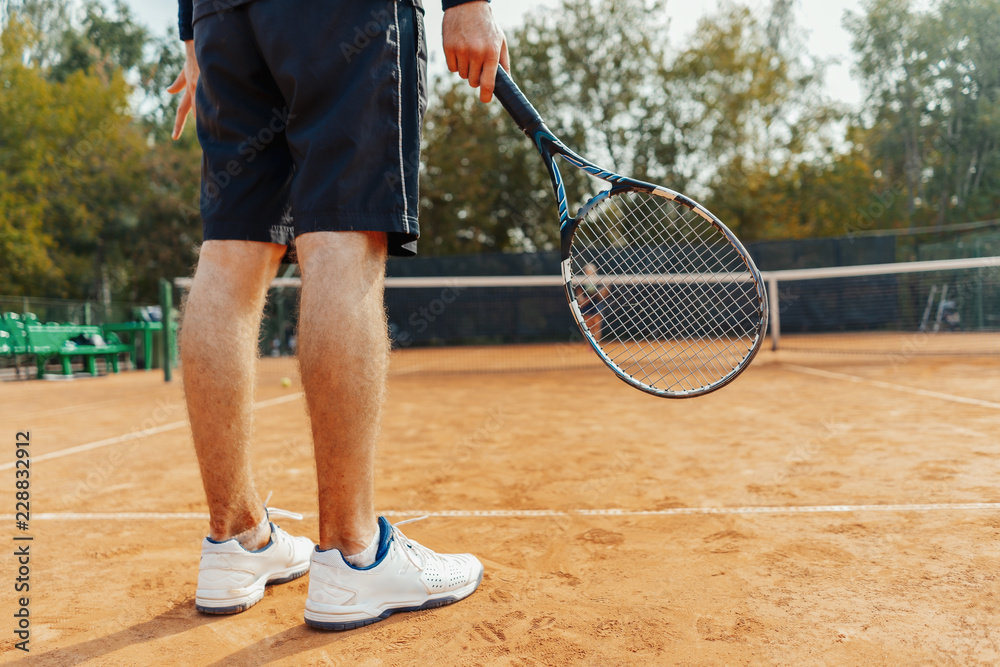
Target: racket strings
[691, 302]
[700, 292]
[674, 364]
[688, 302]
[689, 266]
[693, 265]
[679, 310]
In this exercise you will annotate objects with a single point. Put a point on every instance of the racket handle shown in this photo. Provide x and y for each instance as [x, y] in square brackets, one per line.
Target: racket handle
[516, 104]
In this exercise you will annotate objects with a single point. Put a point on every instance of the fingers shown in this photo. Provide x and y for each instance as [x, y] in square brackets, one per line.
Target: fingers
[475, 70]
[488, 82]
[463, 64]
[178, 85]
[504, 56]
[452, 59]
[183, 109]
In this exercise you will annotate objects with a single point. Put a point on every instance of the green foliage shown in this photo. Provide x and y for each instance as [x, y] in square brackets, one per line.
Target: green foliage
[481, 187]
[96, 201]
[24, 245]
[484, 187]
[757, 130]
[84, 185]
[737, 118]
[931, 115]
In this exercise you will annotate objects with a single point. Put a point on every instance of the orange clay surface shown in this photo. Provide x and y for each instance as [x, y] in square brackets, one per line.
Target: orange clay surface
[694, 581]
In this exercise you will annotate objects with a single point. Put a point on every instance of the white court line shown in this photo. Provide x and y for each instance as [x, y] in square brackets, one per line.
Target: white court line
[673, 511]
[895, 387]
[172, 426]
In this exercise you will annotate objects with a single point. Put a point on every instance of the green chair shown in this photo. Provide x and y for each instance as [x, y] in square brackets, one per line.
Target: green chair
[47, 342]
[13, 325]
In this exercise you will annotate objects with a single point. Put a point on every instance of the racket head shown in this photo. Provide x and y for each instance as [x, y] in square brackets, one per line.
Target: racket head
[666, 295]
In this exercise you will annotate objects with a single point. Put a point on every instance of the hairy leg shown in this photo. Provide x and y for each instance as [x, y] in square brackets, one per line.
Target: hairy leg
[343, 350]
[219, 353]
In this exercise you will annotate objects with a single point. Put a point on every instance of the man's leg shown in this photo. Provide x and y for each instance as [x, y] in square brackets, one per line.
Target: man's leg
[219, 354]
[343, 349]
[365, 568]
[219, 351]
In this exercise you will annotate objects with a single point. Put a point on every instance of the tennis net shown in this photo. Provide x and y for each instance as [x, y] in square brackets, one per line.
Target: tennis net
[522, 323]
[945, 307]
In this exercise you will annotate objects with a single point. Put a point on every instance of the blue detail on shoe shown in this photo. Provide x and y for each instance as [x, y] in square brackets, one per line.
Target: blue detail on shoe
[267, 546]
[384, 540]
[270, 542]
[235, 609]
[285, 580]
[351, 625]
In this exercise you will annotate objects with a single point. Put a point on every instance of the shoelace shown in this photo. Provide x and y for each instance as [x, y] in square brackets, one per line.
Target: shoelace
[275, 511]
[415, 550]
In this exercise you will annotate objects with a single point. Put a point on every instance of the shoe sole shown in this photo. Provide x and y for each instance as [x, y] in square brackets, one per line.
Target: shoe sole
[236, 605]
[430, 604]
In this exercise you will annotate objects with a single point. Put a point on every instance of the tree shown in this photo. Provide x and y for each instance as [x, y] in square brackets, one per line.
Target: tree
[85, 186]
[24, 245]
[593, 68]
[931, 107]
[482, 188]
[753, 113]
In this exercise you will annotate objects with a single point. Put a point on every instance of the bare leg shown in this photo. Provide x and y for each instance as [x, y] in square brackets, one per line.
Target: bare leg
[343, 356]
[219, 354]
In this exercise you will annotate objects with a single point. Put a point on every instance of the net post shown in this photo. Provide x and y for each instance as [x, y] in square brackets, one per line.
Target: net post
[774, 310]
[167, 318]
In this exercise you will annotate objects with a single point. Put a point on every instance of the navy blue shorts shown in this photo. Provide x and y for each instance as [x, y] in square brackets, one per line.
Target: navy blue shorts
[309, 117]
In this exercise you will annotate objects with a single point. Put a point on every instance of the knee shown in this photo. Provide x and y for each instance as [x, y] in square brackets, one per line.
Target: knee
[239, 269]
[358, 253]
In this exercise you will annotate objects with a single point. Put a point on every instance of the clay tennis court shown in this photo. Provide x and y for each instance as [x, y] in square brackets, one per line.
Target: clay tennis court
[820, 510]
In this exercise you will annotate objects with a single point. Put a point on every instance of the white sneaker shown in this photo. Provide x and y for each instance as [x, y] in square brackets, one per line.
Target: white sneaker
[232, 579]
[406, 576]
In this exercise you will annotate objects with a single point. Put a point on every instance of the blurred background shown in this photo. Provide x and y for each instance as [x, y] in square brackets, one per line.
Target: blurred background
[824, 134]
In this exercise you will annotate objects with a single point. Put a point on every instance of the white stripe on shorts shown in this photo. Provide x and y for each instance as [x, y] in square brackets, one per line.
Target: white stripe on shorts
[399, 113]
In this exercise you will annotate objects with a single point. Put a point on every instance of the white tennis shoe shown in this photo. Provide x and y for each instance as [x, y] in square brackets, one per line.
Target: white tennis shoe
[232, 579]
[406, 576]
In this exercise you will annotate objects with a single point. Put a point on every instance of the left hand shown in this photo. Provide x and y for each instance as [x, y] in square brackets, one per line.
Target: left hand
[186, 81]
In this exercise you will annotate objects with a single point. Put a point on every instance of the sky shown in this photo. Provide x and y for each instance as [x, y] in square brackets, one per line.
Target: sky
[821, 21]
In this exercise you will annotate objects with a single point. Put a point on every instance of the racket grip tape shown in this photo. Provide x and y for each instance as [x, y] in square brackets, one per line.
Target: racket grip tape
[516, 104]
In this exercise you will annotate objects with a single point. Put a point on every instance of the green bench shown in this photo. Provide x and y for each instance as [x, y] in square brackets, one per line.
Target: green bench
[49, 341]
[24, 335]
[15, 339]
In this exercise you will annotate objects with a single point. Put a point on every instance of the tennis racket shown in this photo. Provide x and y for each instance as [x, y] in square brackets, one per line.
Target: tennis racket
[666, 295]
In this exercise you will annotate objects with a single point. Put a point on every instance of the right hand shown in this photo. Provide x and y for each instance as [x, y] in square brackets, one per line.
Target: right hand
[186, 83]
[474, 45]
